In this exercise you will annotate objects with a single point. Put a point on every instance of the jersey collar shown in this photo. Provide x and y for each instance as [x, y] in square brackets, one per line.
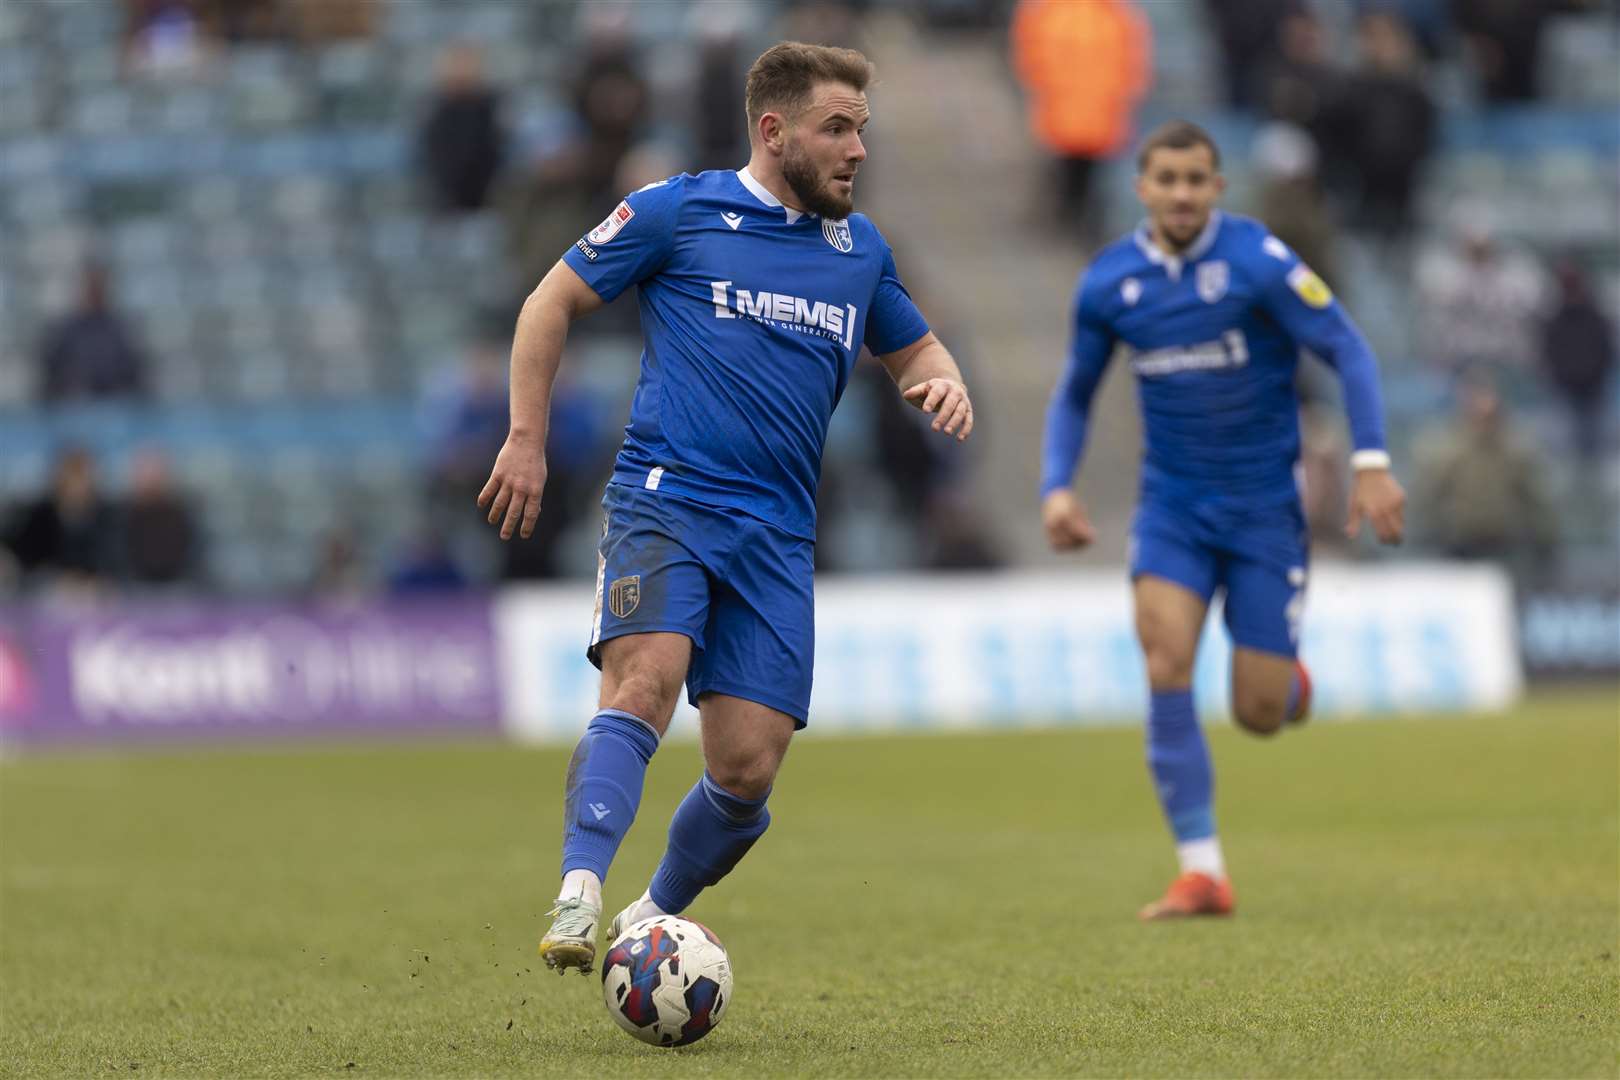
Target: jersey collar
[1173, 263]
[760, 192]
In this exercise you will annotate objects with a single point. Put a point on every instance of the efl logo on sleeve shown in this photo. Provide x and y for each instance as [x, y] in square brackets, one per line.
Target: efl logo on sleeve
[612, 224]
[1310, 288]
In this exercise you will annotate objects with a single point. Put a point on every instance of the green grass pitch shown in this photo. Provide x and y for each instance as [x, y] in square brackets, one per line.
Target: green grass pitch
[1415, 898]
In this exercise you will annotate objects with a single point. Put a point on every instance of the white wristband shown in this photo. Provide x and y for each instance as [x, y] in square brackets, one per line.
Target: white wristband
[1369, 459]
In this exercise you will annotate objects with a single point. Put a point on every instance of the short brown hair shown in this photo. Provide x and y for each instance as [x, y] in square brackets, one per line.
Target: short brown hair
[786, 74]
[1177, 135]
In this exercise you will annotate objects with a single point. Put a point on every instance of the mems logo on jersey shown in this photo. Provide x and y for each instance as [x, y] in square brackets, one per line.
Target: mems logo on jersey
[823, 318]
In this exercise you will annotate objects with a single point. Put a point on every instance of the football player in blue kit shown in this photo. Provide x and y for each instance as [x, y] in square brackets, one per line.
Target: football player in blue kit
[1213, 310]
[757, 290]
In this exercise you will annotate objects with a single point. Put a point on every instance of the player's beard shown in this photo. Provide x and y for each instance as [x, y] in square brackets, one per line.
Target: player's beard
[814, 193]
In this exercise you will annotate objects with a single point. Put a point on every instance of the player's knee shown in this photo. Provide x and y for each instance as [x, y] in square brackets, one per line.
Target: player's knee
[645, 693]
[1258, 713]
[1167, 666]
[747, 776]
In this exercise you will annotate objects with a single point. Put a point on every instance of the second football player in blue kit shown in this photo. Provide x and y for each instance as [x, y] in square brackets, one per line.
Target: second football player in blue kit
[758, 289]
[1213, 311]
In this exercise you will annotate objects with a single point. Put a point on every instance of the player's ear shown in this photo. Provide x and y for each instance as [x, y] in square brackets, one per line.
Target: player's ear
[772, 131]
[1220, 184]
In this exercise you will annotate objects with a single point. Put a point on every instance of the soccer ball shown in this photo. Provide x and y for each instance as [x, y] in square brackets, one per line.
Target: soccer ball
[667, 980]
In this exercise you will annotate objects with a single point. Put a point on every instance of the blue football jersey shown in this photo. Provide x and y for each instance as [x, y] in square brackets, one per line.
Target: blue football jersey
[753, 315]
[1214, 336]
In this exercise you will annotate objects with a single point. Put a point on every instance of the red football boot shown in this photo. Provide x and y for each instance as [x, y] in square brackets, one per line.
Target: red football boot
[1302, 707]
[1192, 894]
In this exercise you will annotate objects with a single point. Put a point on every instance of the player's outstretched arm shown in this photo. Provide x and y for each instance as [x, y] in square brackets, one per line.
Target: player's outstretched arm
[1306, 308]
[927, 375]
[512, 495]
[1063, 515]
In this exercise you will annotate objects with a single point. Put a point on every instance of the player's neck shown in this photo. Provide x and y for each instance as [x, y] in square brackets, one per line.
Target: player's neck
[1162, 241]
[770, 178]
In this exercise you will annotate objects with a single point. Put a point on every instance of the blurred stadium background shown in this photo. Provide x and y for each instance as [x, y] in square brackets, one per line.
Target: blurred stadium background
[263, 257]
[259, 266]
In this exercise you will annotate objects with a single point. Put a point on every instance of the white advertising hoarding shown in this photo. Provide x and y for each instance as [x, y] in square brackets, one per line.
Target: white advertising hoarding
[1027, 648]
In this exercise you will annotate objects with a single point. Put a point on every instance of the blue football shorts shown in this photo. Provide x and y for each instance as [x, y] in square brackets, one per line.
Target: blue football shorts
[1260, 558]
[741, 589]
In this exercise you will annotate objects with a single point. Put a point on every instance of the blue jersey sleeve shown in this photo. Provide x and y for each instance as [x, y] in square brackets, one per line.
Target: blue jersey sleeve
[894, 321]
[1304, 306]
[633, 243]
[1090, 345]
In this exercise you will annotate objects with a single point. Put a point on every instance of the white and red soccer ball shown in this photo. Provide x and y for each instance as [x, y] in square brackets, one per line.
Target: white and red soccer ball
[667, 980]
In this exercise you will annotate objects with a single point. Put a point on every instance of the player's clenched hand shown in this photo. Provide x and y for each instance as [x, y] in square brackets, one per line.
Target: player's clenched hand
[948, 400]
[1064, 517]
[512, 495]
[1377, 496]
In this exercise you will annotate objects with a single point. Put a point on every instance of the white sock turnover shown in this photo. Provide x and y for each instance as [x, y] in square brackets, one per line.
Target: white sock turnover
[1202, 856]
[581, 885]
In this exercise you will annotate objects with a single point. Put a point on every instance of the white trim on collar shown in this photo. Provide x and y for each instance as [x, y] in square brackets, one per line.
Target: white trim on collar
[763, 194]
[1173, 263]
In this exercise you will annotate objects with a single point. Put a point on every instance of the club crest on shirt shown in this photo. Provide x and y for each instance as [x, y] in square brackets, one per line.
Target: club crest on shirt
[1213, 278]
[837, 234]
[624, 596]
[612, 224]
[1130, 291]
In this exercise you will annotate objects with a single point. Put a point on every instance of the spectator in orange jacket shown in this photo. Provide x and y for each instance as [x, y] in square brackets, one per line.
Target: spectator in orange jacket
[1084, 68]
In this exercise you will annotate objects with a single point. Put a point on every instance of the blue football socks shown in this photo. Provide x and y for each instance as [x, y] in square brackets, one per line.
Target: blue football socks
[712, 830]
[604, 788]
[1179, 760]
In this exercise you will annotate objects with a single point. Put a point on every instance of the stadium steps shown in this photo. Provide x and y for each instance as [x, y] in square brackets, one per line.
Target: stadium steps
[994, 280]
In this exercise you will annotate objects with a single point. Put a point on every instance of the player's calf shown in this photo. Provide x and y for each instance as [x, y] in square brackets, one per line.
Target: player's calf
[1263, 689]
[1259, 714]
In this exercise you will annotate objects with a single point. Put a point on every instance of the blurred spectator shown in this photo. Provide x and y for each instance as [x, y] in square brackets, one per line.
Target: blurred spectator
[247, 20]
[611, 97]
[1084, 67]
[579, 452]
[1386, 127]
[1503, 39]
[719, 135]
[332, 20]
[1577, 354]
[157, 539]
[338, 573]
[65, 537]
[1302, 87]
[1480, 488]
[426, 566]
[1478, 303]
[466, 418]
[1291, 202]
[1250, 38]
[165, 38]
[956, 535]
[563, 193]
[90, 353]
[1324, 455]
[825, 22]
[459, 148]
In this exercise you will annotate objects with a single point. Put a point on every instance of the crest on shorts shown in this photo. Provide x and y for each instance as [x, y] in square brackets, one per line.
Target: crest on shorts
[624, 596]
[836, 233]
[1213, 278]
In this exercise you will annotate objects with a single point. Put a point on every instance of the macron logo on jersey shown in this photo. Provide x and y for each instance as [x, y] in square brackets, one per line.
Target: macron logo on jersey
[795, 313]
